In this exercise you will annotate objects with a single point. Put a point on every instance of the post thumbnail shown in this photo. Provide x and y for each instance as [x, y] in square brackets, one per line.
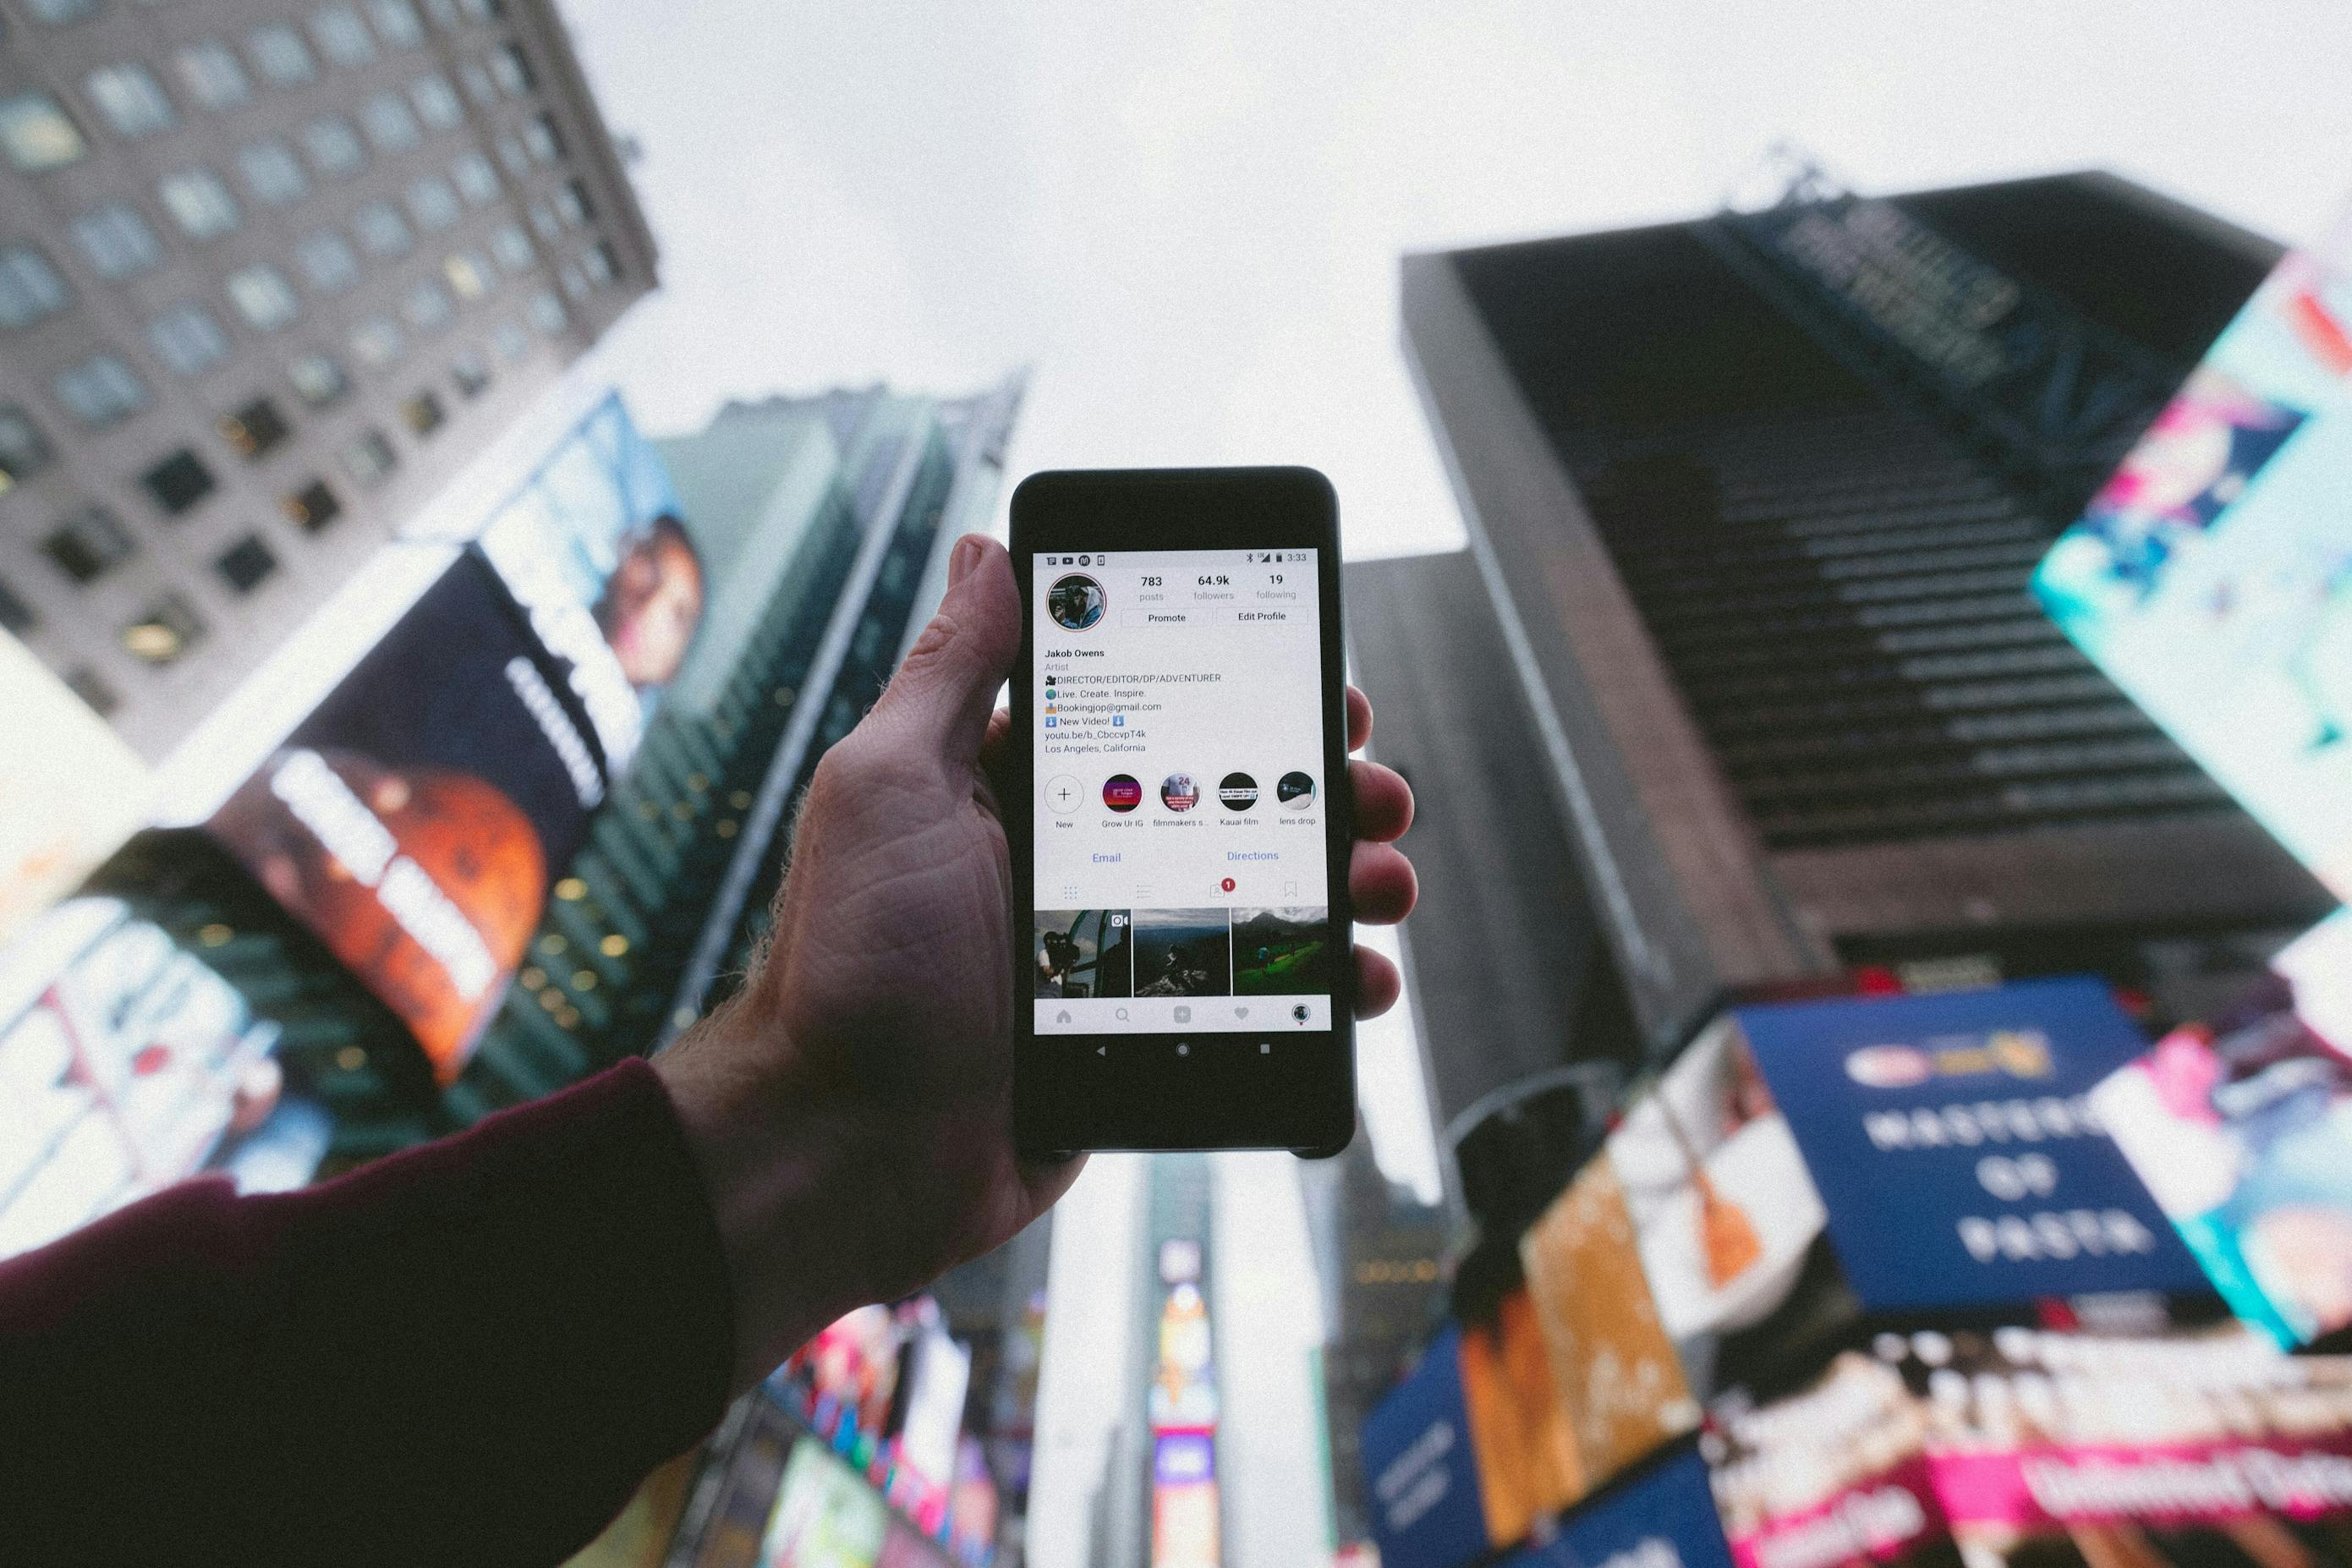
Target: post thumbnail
[1184, 952]
[1081, 953]
[1281, 952]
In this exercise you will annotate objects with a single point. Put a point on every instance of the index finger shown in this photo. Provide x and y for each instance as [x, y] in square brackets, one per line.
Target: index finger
[1359, 717]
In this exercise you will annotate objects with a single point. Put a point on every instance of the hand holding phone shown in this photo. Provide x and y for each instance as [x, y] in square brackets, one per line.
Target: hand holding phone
[851, 1107]
[1183, 822]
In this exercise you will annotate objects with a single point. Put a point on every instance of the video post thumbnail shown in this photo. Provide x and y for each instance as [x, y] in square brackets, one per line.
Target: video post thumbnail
[1184, 952]
[1081, 953]
[1281, 952]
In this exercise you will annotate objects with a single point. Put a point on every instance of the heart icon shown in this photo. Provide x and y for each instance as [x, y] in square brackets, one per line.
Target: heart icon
[1240, 1011]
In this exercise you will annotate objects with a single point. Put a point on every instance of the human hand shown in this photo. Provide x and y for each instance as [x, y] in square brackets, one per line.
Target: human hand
[851, 1107]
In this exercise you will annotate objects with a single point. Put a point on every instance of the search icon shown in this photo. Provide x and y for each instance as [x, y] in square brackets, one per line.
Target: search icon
[1120, 1013]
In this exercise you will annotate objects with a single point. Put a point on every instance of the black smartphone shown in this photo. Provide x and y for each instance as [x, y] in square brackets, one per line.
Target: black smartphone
[1180, 818]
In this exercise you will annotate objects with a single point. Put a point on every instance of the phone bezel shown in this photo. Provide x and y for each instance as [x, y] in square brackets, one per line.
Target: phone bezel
[1136, 1091]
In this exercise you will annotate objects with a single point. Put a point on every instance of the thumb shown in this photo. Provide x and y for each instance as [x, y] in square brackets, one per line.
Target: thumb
[942, 696]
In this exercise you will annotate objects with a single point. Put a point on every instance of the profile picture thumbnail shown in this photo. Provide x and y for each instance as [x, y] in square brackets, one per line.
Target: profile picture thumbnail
[1184, 952]
[1180, 792]
[1281, 952]
[1295, 789]
[1122, 793]
[1080, 953]
[1076, 601]
[1237, 791]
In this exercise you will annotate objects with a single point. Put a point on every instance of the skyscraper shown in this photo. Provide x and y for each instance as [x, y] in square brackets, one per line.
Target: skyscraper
[271, 274]
[1754, 501]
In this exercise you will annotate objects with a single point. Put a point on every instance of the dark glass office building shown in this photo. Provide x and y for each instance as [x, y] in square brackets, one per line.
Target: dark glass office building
[1753, 503]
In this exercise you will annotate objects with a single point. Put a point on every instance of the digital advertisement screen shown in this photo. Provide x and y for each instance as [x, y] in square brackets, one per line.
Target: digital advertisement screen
[591, 546]
[2212, 575]
[1958, 1158]
[2242, 1127]
[410, 821]
[1180, 855]
[124, 1064]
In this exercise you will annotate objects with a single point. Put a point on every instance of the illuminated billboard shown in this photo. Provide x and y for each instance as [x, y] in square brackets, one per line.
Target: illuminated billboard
[2242, 1127]
[2212, 575]
[125, 1065]
[591, 546]
[411, 820]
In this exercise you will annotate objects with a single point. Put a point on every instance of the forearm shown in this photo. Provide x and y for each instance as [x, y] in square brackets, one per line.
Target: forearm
[471, 1352]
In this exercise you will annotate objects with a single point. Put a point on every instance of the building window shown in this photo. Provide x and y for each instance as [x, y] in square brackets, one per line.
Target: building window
[86, 683]
[432, 203]
[547, 312]
[437, 102]
[516, 161]
[474, 179]
[376, 341]
[57, 12]
[327, 260]
[255, 429]
[117, 241]
[333, 146]
[101, 391]
[540, 140]
[280, 55]
[479, 10]
[471, 372]
[213, 76]
[271, 174]
[444, 13]
[422, 413]
[601, 264]
[544, 221]
[397, 24]
[381, 230]
[370, 459]
[30, 289]
[340, 35]
[574, 281]
[23, 450]
[36, 133]
[389, 123]
[572, 204]
[510, 68]
[511, 341]
[426, 306]
[312, 506]
[187, 339]
[200, 204]
[88, 544]
[477, 83]
[16, 616]
[468, 275]
[130, 99]
[512, 247]
[263, 297]
[246, 565]
[317, 381]
[178, 482]
[165, 633]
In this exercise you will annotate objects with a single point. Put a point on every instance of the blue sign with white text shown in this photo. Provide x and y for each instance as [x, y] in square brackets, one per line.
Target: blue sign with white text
[1955, 1151]
[1664, 1517]
[1420, 1472]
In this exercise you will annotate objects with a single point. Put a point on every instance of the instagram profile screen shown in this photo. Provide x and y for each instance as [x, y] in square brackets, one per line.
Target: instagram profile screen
[1179, 854]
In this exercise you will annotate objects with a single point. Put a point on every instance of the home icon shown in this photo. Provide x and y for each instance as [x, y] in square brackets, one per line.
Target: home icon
[1063, 1016]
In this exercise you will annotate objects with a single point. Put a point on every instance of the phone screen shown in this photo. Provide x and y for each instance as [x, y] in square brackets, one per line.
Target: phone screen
[1180, 857]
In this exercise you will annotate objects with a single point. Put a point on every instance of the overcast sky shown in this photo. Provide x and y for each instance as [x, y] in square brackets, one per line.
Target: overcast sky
[1187, 214]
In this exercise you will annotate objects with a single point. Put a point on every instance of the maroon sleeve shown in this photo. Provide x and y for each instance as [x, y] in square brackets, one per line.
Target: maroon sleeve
[470, 1352]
